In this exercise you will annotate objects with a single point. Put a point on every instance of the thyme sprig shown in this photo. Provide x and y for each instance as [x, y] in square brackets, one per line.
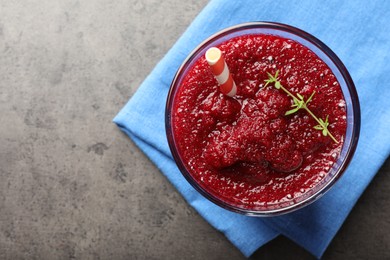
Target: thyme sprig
[299, 102]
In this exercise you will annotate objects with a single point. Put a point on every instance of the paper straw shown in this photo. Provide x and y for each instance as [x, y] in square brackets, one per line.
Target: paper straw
[221, 71]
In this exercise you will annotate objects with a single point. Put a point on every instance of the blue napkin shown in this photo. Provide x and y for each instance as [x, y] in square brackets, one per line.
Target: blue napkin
[359, 33]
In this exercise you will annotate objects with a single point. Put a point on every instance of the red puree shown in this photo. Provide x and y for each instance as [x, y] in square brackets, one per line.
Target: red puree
[244, 150]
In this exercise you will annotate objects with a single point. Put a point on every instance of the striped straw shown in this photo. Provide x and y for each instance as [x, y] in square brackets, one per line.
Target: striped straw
[221, 71]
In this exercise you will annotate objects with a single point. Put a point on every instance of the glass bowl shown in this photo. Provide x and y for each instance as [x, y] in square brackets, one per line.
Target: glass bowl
[347, 87]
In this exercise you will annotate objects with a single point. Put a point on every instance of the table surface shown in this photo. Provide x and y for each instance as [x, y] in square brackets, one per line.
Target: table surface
[72, 185]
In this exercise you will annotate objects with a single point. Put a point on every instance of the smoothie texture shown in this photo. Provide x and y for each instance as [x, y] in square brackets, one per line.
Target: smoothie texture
[245, 150]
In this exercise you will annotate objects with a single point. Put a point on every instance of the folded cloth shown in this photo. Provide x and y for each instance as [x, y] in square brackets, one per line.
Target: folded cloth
[359, 33]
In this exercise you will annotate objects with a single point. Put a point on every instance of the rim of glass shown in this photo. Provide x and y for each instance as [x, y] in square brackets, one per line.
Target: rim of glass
[324, 53]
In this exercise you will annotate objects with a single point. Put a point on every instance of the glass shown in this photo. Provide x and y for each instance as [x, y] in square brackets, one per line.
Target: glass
[338, 69]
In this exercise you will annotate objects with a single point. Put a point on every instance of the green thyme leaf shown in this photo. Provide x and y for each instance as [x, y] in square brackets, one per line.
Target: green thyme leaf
[325, 132]
[277, 85]
[310, 98]
[292, 111]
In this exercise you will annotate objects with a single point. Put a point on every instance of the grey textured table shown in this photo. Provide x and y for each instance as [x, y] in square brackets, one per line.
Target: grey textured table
[71, 184]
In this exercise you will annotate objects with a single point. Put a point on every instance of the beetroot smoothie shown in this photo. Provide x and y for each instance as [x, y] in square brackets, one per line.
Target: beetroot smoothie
[244, 150]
